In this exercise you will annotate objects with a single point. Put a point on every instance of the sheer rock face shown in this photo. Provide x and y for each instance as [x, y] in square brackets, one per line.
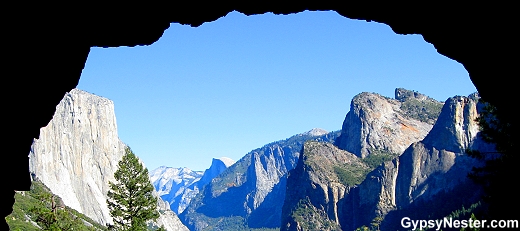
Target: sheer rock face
[375, 122]
[456, 128]
[218, 165]
[429, 177]
[77, 153]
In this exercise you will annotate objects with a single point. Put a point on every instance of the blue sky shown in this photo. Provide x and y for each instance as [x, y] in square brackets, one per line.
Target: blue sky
[232, 85]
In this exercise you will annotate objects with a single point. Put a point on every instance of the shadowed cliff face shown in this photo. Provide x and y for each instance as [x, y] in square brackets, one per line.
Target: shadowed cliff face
[478, 36]
[438, 162]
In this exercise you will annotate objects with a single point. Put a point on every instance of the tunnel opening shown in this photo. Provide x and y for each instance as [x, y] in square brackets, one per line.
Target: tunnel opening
[283, 81]
[244, 66]
[478, 36]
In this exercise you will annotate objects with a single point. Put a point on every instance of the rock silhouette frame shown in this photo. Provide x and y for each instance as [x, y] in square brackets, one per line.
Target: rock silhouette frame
[47, 44]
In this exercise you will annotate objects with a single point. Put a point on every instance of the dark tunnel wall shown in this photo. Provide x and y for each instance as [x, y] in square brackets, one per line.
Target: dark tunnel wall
[46, 47]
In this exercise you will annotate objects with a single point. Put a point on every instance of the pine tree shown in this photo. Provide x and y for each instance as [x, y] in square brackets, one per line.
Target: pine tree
[130, 198]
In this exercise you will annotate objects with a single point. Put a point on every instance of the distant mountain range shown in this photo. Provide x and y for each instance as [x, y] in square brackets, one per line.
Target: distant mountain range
[393, 157]
[177, 186]
[250, 193]
[347, 179]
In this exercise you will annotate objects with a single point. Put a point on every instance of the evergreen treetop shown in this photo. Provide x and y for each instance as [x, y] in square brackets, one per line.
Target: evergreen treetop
[130, 198]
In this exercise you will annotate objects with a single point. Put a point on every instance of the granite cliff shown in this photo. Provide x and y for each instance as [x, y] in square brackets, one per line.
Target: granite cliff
[77, 153]
[378, 123]
[426, 179]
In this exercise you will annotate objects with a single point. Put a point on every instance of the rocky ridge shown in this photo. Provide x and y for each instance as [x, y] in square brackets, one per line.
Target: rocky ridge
[428, 171]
